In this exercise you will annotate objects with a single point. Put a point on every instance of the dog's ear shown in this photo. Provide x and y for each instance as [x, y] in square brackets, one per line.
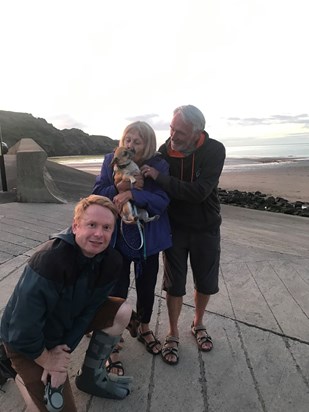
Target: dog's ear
[114, 159]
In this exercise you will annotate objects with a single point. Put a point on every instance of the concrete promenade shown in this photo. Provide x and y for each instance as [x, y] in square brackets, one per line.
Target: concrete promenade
[258, 320]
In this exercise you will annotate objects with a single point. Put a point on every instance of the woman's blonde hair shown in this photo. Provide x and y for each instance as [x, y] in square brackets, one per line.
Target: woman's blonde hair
[84, 203]
[146, 133]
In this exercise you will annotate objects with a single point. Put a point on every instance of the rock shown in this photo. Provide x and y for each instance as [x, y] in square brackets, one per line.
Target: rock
[260, 201]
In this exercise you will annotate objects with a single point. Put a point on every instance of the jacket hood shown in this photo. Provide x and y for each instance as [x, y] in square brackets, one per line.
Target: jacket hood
[67, 235]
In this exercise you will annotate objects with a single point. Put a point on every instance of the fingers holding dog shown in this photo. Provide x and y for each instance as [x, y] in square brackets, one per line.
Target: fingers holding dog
[120, 199]
[139, 181]
[148, 171]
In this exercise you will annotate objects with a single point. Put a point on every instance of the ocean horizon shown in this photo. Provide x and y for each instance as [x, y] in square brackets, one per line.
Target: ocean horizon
[290, 150]
[237, 157]
[298, 150]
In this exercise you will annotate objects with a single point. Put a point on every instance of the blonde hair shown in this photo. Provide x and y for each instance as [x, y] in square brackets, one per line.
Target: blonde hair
[146, 133]
[84, 203]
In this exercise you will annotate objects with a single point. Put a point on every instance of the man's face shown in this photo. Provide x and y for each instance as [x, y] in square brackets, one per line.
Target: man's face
[182, 138]
[94, 230]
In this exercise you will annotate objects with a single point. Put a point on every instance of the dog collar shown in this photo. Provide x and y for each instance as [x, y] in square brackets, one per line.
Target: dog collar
[123, 166]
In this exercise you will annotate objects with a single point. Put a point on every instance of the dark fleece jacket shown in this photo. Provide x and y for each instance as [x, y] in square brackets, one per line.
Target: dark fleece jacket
[193, 185]
[57, 296]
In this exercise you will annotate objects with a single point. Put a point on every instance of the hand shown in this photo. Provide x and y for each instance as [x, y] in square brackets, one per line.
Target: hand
[125, 185]
[120, 199]
[56, 359]
[56, 378]
[148, 171]
[139, 181]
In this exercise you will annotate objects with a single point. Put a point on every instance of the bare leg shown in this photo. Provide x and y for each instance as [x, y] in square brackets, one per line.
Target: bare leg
[201, 302]
[121, 321]
[174, 305]
[31, 407]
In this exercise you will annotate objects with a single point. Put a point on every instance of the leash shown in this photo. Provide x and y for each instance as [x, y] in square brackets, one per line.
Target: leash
[141, 234]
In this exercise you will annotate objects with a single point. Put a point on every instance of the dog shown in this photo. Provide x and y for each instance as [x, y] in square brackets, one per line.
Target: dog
[124, 167]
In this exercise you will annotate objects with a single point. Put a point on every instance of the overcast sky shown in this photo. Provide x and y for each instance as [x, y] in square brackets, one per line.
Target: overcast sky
[98, 65]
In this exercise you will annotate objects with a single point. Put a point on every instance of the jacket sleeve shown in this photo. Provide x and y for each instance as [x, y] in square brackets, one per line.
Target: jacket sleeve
[153, 198]
[34, 297]
[208, 174]
[104, 183]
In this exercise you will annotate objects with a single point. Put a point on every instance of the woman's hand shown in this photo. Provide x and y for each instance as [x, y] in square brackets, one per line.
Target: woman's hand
[125, 184]
[148, 171]
[120, 199]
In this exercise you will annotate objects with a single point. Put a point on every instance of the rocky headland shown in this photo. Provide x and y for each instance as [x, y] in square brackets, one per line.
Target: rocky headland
[66, 142]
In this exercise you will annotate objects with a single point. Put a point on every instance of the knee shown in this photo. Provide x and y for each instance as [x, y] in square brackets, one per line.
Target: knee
[123, 315]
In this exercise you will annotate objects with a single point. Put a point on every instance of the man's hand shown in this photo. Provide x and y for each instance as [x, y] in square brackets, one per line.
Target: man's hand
[148, 171]
[56, 359]
[56, 378]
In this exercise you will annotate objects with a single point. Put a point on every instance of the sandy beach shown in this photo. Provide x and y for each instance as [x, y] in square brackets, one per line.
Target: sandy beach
[282, 177]
[285, 178]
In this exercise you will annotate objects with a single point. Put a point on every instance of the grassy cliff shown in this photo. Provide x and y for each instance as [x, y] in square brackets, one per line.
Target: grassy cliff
[55, 142]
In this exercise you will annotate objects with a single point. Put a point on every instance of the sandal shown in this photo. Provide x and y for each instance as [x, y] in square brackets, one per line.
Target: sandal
[201, 339]
[117, 364]
[170, 350]
[149, 345]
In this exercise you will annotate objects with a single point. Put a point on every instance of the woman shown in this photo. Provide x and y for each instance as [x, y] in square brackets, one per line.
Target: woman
[138, 243]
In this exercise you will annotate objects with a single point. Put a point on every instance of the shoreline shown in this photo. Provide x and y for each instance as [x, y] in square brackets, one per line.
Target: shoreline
[283, 177]
[286, 178]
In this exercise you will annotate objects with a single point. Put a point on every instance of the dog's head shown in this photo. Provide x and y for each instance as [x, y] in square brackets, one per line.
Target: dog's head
[122, 156]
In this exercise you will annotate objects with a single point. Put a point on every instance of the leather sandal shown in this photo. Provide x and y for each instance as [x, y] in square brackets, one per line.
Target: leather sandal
[201, 338]
[117, 364]
[170, 350]
[149, 345]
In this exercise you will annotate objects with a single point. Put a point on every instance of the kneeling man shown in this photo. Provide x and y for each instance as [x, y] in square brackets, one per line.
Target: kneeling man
[62, 294]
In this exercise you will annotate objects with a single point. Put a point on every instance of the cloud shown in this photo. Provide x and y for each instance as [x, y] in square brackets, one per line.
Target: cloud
[65, 121]
[153, 119]
[302, 119]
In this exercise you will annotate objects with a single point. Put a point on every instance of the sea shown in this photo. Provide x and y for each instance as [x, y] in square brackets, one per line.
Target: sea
[237, 157]
[293, 151]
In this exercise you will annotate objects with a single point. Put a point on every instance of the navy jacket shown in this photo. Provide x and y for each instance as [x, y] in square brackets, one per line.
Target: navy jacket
[152, 198]
[57, 296]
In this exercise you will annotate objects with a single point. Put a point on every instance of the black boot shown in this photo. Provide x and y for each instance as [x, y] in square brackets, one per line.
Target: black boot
[93, 378]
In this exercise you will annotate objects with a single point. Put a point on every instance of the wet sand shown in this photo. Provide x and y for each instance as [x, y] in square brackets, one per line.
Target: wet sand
[279, 177]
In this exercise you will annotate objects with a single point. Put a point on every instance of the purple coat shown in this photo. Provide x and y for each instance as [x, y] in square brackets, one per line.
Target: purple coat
[152, 198]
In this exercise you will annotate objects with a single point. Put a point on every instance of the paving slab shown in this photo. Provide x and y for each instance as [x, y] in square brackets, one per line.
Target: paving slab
[259, 320]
